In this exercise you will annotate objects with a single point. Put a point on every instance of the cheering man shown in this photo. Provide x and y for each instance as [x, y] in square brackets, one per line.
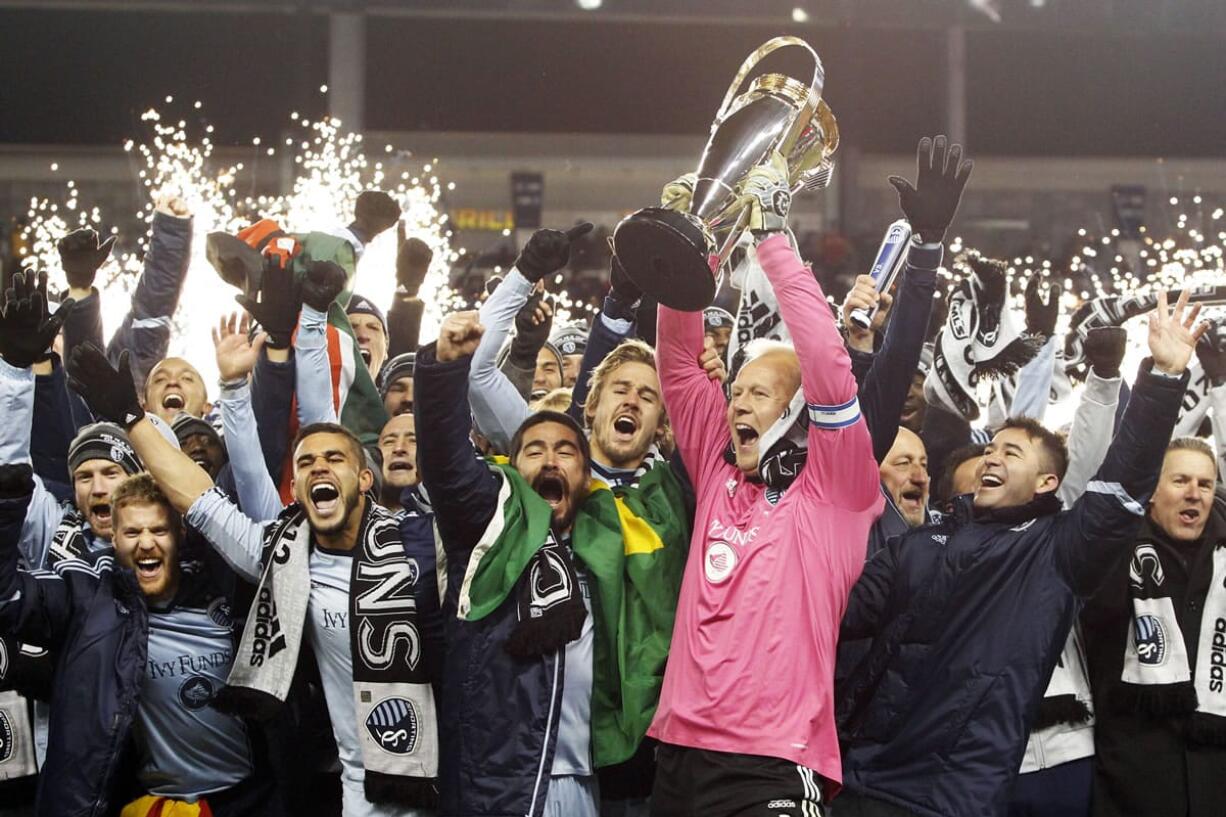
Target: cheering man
[331, 568]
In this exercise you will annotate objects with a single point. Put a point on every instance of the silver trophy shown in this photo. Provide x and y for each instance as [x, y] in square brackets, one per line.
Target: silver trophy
[675, 254]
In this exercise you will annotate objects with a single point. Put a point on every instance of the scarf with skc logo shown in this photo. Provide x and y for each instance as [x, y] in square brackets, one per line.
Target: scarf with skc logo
[394, 701]
[1157, 677]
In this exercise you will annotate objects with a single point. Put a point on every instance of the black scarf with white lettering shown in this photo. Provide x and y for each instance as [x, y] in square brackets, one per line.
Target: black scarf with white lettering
[394, 702]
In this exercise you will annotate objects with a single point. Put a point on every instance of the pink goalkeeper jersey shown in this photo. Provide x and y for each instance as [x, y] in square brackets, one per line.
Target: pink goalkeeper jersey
[751, 667]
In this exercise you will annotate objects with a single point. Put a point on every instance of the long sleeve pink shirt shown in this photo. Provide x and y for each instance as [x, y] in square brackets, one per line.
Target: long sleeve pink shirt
[751, 666]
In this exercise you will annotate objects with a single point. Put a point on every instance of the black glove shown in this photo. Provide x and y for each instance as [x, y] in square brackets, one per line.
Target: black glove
[1211, 351]
[989, 277]
[529, 337]
[109, 392]
[81, 254]
[413, 259]
[931, 204]
[26, 330]
[1041, 315]
[276, 304]
[373, 213]
[16, 480]
[621, 288]
[1104, 350]
[324, 280]
[547, 251]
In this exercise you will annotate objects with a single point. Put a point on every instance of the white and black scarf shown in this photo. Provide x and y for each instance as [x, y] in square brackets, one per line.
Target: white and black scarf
[1067, 697]
[396, 719]
[982, 338]
[1157, 677]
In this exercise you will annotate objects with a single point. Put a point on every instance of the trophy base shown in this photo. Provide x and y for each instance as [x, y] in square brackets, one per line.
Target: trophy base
[665, 253]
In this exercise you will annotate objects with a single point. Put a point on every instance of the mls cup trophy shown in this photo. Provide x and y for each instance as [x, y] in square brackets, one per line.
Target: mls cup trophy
[673, 253]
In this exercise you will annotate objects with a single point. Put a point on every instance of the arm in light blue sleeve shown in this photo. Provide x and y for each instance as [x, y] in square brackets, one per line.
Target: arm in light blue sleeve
[497, 406]
[17, 410]
[313, 369]
[257, 495]
[1090, 435]
[1034, 384]
[236, 538]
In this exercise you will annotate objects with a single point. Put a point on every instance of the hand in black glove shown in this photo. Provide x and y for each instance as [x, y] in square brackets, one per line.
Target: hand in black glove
[373, 213]
[533, 323]
[1211, 352]
[1104, 350]
[16, 480]
[276, 304]
[547, 251]
[931, 204]
[26, 330]
[989, 277]
[621, 287]
[1041, 314]
[413, 258]
[324, 280]
[109, 392]
[81, 254]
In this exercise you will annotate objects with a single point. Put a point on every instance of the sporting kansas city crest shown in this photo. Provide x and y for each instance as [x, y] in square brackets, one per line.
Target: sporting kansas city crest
[393, 725]
[1149, 637]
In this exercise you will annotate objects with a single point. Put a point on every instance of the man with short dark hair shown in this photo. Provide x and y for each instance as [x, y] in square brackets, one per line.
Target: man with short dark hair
[331, 569]
[1156, 645]
[968, 617]
[515, 599]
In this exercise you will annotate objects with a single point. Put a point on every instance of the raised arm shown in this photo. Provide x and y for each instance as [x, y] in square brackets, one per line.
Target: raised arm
[463, 491]
[498, 407]
[839, 443]
[26, 333]
[145, 331]
[236, 357]
[1092, 536]
[1094, 419]
[413, 257]
[614, 324]
[884, 389]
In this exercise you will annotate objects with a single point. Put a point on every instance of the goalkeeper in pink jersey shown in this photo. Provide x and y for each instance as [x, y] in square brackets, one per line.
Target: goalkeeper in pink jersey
[787, 488]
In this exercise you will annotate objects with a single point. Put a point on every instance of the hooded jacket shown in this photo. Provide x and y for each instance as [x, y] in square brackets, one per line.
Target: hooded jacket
[968, 617]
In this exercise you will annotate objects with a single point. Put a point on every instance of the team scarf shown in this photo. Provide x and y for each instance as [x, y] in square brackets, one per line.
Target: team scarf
[982, 339]
[393, 699]
[1068, 691]
[632, 540]
[1157, 677]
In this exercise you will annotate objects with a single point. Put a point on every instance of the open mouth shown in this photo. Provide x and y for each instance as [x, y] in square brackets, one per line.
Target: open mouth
[551, 489]
[401, 465]
[173, 401]
[991, 481]
[913, 495]
[746, 435]
[325, 497]
[200, 459]
[1189, 516]
[365, 353]
[148, 568]
[101, 511]
[625, 425]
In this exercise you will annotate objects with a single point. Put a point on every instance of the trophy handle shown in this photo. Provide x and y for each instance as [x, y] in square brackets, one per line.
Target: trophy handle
[767, 48]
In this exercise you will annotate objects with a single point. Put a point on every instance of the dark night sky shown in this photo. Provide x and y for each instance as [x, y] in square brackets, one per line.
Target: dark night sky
[84, 78]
